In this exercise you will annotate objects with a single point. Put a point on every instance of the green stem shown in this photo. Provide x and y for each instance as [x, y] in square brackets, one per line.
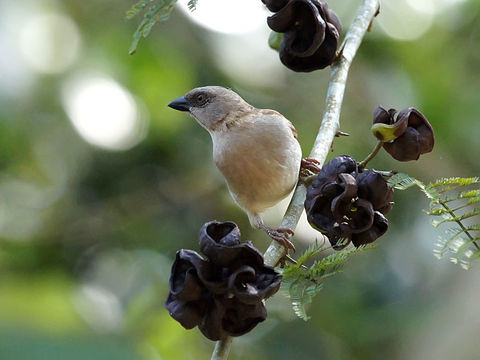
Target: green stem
[370, 156]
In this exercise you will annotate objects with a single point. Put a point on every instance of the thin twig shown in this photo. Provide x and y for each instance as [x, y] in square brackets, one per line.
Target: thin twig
[370, 156]
[328, 129]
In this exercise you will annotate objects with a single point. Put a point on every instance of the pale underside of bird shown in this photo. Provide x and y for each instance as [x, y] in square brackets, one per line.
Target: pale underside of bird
[256, 150]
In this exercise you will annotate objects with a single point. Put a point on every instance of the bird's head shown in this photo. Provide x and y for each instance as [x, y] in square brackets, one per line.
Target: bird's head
[210, 105]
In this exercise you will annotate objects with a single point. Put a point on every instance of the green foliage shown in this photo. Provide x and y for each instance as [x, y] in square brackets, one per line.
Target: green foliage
[453, 201]
[402, 181]
[275, 40]
[192, 4]
[302, 283]
[155, 11]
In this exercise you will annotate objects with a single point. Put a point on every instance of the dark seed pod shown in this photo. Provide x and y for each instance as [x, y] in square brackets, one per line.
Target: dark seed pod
[186, 301]
[373, 187]
[251, 286]
[220, 242]
[274, 5]
[311, 34]
[223, 294]
[350, 215]
[378, 228]
[230, 317]
[321, 193]
[345, 205]
[413, 134]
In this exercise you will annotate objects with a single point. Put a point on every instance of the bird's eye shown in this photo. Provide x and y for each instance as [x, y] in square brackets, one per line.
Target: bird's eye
[200, 98]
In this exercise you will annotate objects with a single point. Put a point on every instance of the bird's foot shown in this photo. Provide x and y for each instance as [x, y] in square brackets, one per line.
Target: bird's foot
[311, 165]
[309, 168]
[281, 235]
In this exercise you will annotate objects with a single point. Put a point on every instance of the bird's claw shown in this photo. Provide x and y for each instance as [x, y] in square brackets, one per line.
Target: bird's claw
[309, 168]
[281, 236]
[311, 165]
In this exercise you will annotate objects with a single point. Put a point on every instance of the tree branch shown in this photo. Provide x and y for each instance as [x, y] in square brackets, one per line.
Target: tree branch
[331, 118]
[328, 128]
[222, 348]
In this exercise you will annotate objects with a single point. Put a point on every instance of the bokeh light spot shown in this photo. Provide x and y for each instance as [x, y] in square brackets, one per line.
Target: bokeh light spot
[228, 16]
[104, 113]
[400, 20]
[50, 42]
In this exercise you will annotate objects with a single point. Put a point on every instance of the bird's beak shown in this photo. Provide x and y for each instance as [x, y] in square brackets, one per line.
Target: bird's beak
[181, 104]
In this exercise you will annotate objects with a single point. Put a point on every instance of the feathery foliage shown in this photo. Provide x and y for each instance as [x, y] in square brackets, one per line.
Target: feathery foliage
[192, 4]
[303, 283]
[455, 202]
[154, 11]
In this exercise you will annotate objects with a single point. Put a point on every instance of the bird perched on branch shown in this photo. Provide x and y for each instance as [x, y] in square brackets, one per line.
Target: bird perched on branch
[256, 150]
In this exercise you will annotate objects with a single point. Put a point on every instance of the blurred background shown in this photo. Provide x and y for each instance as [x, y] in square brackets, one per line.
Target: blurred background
[101, 183]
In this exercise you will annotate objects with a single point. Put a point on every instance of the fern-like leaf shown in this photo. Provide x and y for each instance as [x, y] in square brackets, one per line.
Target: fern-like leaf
[155, 11]
[402, 181]
[455, 205]
[452, 200]
[192, 4]
[332, 264]
[312, 251]
[137, 8]
[455, 181]
[302, 285]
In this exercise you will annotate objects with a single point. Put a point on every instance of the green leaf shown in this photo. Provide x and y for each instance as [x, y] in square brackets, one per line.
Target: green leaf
[437, 211]
[430, 192]
[155, 11]
[455, 233]
[192, 5]
[475, 200]
[302, 285]
[384, 132]
[463, 248]
[312, 251]
[449, 218]
[474, 212]
[302, 295]
[475, 256]
[457, 181]
[136, 37]
[275, 40]
[402, 181]
[461, 240]
[137, 8]
[470, 194]
[333, 263]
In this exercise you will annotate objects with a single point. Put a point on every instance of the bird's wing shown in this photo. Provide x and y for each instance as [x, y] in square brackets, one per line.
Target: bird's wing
[294, 131]
[290, 125]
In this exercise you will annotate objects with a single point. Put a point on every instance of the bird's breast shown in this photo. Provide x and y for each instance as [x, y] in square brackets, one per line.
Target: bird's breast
[260, 163]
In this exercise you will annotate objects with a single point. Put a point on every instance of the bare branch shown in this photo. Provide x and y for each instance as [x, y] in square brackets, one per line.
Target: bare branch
[222, 349]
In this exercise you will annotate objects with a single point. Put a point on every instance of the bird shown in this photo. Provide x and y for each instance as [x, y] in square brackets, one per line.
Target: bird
[256, 150]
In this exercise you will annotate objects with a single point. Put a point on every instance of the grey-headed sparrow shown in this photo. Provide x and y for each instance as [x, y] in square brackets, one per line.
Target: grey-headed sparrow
[256, 150]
